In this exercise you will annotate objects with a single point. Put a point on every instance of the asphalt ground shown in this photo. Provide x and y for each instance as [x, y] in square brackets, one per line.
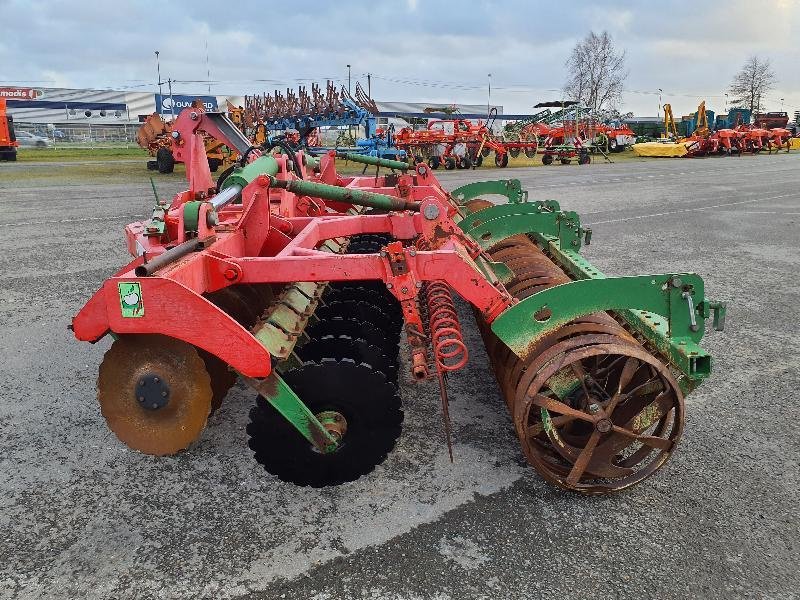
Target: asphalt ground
[81, 516]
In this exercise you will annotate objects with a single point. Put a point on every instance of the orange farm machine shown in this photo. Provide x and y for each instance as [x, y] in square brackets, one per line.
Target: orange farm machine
[8, 141]
[155, 136]
[307, 284]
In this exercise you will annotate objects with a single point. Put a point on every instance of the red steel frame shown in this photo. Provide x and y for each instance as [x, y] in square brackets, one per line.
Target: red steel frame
[266, 239]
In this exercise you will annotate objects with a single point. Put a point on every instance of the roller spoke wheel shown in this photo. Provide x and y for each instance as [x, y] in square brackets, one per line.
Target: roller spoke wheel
[367, 411]
[600, 418]
[154, 392]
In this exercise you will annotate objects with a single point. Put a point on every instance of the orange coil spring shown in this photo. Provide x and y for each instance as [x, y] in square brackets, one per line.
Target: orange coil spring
[450, 352]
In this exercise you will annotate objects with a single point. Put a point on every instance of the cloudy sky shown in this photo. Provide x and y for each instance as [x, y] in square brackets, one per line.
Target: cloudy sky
[416, 50]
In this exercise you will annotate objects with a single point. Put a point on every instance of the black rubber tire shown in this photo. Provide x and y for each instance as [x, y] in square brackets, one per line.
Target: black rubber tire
[478, 160]
[514, 152]
[613, 145]
[547, 159]
[449, 163]
[501, 160]
[165, 161]
[565, 161]
[434, 162]
[369, 403]
[584, 159]
[464, 162]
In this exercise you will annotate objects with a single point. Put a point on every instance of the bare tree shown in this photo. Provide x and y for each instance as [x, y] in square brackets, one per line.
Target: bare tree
[596, 72]
[752, 83]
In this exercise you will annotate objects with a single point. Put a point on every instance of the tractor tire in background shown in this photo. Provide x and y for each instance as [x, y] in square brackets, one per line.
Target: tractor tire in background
[165, 161]
[547, 159]
[449, 163]
[613, 145]
[566, 161]
[464, 162]
[584, 159]
[434, 162]
[501, 160]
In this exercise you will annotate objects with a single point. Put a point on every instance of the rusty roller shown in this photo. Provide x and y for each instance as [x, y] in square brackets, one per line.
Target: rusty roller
[590, 365]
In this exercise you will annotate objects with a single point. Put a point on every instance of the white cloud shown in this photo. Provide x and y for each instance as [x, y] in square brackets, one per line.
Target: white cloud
[689, 49]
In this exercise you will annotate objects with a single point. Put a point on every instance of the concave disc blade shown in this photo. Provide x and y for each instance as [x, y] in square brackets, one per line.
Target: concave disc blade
[154, 392]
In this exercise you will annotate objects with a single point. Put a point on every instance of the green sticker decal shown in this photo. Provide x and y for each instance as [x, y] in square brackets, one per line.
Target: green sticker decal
[130, 299]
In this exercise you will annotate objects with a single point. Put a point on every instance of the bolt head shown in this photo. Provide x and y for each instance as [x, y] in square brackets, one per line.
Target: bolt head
[431, 212]
[676, 282]
[604, 425]
[193, 116]
[175, 135]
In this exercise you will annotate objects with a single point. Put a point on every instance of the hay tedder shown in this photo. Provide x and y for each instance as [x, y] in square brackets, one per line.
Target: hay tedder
[302, 282]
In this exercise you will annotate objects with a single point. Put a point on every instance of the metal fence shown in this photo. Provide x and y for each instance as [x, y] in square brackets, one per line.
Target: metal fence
[83, 135]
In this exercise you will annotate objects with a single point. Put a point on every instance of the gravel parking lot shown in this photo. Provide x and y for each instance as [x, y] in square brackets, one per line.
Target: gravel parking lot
[81, 516]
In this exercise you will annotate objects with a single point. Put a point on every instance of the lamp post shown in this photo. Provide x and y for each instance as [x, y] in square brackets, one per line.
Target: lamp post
[781, 104]
[348, 79]
[158, 70]
[726, 102]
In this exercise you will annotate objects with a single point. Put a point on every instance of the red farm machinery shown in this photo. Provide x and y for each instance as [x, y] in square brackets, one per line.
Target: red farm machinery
[306, 284]
[452, 144]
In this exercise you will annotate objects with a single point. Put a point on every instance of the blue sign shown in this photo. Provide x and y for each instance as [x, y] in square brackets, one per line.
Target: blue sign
[166, 104]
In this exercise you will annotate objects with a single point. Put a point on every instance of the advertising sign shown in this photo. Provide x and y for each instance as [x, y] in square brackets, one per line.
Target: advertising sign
[20, 93]
[166, 104]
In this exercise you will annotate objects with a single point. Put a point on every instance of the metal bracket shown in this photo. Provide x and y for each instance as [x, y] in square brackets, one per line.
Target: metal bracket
[510, 188]
[655, 304]
[289, 405]
[492, 225]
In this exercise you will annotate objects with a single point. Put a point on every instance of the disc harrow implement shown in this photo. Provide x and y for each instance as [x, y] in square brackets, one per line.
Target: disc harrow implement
[306, 285]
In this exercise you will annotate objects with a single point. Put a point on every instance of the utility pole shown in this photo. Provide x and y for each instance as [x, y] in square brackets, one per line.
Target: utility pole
[489, 97]
[171, 99]
[369, 87]
[208, 69]
[660, 91]
[348, 79]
